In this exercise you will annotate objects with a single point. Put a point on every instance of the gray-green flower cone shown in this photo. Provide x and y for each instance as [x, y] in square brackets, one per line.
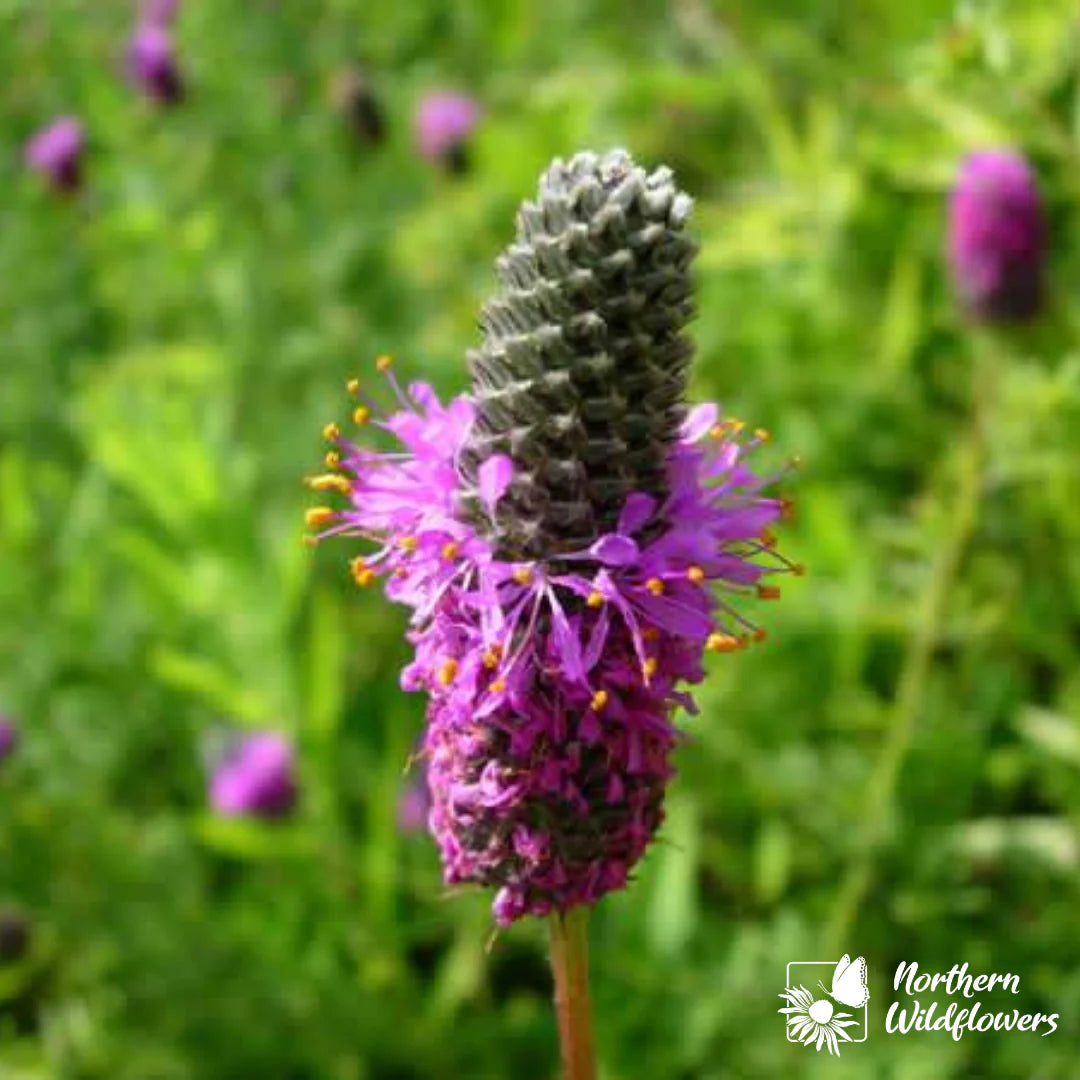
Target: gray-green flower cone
[582, 371]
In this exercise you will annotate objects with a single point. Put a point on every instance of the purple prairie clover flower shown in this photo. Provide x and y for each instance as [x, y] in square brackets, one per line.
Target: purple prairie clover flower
[56, 152]
[443, 123]
[256, 777]
[997, 237]
[570, 538]
[152, 64]
[9, 738]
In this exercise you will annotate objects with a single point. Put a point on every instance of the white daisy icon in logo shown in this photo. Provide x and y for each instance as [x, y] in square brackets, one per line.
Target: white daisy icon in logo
[817, 1021]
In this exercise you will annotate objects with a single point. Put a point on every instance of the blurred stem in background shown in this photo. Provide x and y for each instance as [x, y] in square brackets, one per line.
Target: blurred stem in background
[570, 965]
[961, 497]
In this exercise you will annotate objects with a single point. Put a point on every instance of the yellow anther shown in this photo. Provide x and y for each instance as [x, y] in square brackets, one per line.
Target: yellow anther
[768, 538]
[383, 363]
[408, 544]
[353, 386]
[595, 599]
[762, 434]
[318, 516]
[523, 575]
[734, 426]
[361, 414]
[450, 551]
[695, 574]
[650, 666]
[492, 656]
[331, 432]
[498, 686]
[655, 586]
[448, 672]
[718, 642]
[329, 482]
[599, 700]
[332, 460]
[717, 432]
[768, 592]
[362, 574]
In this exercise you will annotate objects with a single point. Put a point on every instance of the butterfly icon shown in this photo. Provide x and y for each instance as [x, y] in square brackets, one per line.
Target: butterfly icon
[849, 982]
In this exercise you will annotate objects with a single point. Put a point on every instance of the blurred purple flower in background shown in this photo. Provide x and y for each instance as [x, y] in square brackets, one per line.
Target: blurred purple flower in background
[56, 153]
[997, 237]
[443, 123]
[152, 64]
[257, 776]
[9, 738]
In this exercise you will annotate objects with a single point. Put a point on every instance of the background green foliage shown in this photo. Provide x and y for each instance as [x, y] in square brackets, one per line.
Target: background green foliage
[171, 344]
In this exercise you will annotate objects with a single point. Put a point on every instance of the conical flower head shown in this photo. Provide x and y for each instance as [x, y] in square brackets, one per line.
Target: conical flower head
[444, 123]
[571, 539]
[152, 63]
[257, 777]
[582, 372]
[56, 152]
[997, 237]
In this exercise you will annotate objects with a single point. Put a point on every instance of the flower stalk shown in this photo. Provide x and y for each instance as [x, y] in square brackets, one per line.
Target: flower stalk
[570, 966]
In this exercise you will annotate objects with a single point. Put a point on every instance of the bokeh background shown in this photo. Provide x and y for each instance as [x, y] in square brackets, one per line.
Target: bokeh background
[893, 773]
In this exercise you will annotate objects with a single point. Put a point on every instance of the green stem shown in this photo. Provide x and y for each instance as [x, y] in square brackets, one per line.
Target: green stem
[964, 497]
[570, 965]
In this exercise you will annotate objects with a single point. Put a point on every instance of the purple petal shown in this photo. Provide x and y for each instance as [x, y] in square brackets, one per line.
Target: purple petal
[597, 640]
[674, 617]
[616, 791]
[698, 421]
[615, 550]
[566, 641]
[637, 510]
[739, 570]
[589, 729]
[423, 394]
[494, 478]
